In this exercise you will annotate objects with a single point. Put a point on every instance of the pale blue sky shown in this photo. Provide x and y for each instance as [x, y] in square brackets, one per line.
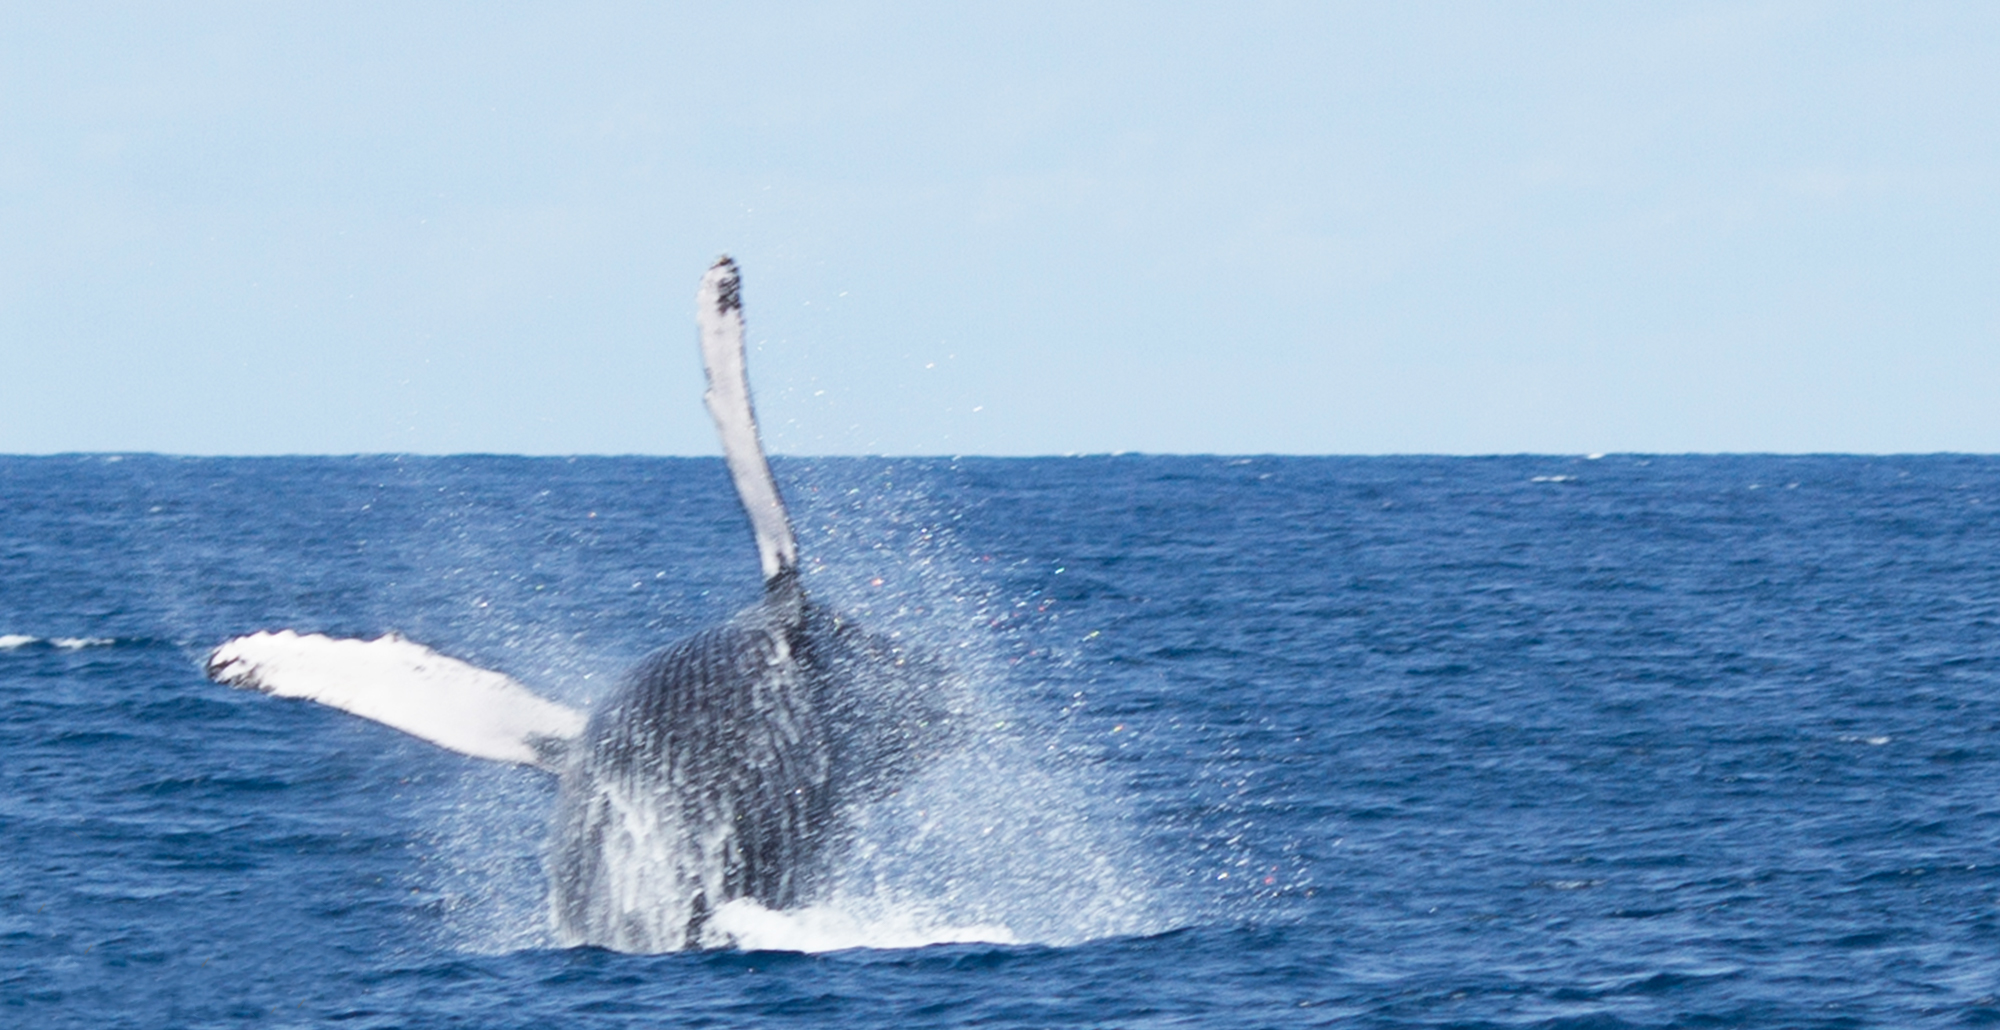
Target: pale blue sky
[1303, 228]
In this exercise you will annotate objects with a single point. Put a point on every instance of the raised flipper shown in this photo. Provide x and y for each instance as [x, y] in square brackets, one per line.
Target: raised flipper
[406, 685]
[719, 313]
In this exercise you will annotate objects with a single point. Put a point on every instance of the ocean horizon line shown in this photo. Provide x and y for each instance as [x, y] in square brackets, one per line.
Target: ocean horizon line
[122, 455]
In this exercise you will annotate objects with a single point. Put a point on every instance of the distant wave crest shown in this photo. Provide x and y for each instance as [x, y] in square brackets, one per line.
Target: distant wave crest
[15, 641]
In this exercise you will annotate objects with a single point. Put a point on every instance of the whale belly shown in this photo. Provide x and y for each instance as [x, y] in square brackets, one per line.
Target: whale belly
[708, 777]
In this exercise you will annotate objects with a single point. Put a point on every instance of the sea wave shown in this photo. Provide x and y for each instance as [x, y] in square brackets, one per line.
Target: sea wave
[15, 641]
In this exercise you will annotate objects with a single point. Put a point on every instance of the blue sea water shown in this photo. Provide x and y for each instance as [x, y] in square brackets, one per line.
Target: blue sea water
[1374, 742]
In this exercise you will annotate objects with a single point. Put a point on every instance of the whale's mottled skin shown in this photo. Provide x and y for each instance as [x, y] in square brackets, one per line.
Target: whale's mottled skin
[751, 738]
[722, 767]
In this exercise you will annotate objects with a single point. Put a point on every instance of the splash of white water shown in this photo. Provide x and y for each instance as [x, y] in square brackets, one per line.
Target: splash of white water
[1006, 840]
[835, 926]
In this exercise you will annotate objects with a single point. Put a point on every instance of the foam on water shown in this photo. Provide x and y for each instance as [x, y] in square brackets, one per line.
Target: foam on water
[12, 641]
[842, 926]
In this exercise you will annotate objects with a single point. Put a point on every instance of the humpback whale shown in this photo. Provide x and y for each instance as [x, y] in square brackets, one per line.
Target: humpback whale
[721, 769]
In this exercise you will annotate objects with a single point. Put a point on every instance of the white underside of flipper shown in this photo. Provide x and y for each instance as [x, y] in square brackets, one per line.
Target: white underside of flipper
[406, 685]
[719, 313]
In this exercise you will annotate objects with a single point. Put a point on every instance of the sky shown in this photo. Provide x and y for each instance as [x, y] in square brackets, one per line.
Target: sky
[1312, 228]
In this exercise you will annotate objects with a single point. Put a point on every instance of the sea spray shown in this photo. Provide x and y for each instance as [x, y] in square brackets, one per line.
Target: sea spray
[1016, 833]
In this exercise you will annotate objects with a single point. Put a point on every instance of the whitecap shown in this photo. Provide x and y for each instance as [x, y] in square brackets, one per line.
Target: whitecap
[11, 641]
[78, 643]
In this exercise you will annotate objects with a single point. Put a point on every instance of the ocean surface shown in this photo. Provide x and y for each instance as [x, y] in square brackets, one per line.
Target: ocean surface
[1262, 742]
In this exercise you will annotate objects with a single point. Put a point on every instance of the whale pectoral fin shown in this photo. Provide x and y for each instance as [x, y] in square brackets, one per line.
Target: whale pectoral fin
[405, 685]
[719, 314]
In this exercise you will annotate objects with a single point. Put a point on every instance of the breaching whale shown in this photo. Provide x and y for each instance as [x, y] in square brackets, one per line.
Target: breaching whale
[721, 769]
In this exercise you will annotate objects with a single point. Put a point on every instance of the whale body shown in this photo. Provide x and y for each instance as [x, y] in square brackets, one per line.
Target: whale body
[724, 765]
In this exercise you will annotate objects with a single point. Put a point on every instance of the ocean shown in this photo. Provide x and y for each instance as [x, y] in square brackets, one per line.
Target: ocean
[1531, 741]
